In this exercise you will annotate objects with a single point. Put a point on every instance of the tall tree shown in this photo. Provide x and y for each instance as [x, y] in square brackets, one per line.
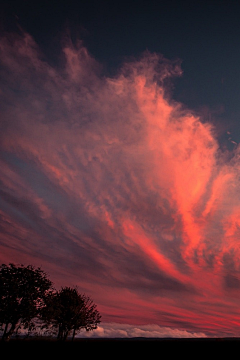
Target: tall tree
[68, 311]
[23, 290]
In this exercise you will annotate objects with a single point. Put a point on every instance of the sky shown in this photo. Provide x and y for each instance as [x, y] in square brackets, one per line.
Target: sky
[119, 158]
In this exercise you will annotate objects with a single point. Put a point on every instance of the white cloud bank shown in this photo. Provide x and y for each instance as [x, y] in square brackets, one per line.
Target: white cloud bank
[114, 330]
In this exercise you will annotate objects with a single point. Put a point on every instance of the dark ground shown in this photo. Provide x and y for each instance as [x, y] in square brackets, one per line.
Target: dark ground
[112, 348]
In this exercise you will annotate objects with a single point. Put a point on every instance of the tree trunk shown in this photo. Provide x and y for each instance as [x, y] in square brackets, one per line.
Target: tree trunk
[7, 334]
[5, 331]
[60, 333]
[65, 335]
[74, 332]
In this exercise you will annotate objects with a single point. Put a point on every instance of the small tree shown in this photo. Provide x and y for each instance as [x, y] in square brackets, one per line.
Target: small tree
[67, 310]
[22, 294]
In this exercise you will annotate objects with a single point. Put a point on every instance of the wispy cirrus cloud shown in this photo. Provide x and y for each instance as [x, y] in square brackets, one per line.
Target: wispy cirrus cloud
[112, 185]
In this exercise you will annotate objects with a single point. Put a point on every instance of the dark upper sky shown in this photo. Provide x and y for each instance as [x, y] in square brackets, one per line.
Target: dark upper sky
[205, 35]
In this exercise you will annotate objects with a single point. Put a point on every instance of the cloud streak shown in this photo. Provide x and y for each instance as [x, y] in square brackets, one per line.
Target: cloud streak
[112, 185]
[113, 330]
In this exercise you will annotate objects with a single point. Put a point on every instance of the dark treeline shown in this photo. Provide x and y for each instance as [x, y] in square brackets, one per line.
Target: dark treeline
[29, 301]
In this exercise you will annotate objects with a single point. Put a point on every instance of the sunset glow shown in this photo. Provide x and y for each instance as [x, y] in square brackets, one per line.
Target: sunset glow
[110, 184]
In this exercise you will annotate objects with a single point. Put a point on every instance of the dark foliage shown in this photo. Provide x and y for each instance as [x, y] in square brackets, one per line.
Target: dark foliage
[26, 294]
[68, 311]
[23, 291]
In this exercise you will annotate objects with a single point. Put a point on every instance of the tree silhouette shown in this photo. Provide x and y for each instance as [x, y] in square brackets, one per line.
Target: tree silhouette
[23, 291]
[68, 311]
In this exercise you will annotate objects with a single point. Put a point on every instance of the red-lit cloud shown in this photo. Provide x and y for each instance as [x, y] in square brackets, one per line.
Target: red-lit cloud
[111, 185]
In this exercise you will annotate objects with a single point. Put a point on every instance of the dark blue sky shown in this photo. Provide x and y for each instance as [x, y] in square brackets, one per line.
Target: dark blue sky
[205, 35]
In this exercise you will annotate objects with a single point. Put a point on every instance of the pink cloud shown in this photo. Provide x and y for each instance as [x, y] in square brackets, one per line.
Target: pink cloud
[114, 186]
[113, 330]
